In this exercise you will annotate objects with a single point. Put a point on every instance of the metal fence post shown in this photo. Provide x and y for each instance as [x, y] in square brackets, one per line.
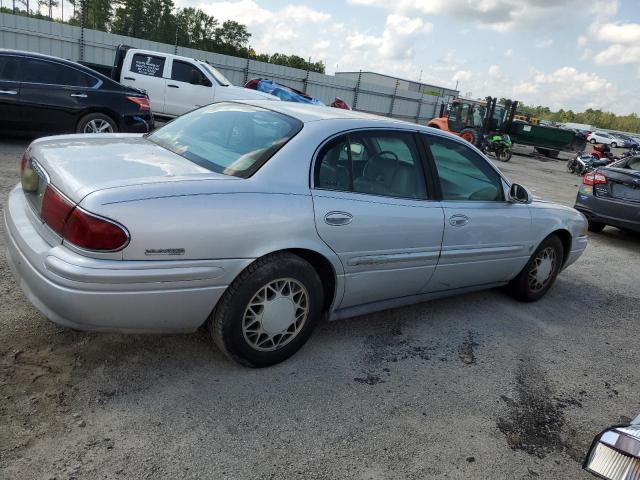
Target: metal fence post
[305, 82]
[419, 109]
[246, 71]
[83, 11]
[357, 91]
[393, 98]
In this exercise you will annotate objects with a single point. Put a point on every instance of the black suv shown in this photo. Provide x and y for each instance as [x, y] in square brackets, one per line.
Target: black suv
[43, 94]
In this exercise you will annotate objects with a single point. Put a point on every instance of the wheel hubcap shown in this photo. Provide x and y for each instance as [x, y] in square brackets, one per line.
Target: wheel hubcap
[98, 126]
[543, 266]
[276, 314]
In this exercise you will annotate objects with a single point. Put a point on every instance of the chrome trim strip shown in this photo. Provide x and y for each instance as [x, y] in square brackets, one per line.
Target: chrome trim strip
[392, 258]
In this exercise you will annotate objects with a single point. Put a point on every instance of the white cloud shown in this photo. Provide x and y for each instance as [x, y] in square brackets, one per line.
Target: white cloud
[582, 41]
[462, 76]
[618, 55]
[499, 15]
[494, 71]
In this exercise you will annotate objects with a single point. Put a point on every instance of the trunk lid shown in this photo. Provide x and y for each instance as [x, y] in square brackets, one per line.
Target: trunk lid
[77, 165]
[622, 184]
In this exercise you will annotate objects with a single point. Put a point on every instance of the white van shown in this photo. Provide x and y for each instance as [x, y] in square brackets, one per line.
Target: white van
[174, 84]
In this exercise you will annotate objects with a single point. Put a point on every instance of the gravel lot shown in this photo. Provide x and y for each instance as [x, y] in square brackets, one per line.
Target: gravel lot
[478, 386]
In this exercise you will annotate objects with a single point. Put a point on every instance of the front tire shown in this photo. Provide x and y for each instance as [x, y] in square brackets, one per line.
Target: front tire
[268, 312]
[592, 141]
[614, 144]
[540, 272]
[96, 123]
[470, 135]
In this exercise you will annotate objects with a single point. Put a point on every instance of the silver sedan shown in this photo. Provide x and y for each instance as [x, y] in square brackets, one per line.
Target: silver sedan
[259, 219]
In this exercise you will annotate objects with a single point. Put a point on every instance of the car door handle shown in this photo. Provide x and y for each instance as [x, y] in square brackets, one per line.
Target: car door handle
[173, 86]
[79, 95]
[338, 218]
[458, 220]
[129, 78]
[8, 92]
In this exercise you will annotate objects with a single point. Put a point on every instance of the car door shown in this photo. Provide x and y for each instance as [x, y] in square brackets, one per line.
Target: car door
[10, 111]
[372, 208]
[188, 88]
[486, 238]
[53, 95]
[149, 72]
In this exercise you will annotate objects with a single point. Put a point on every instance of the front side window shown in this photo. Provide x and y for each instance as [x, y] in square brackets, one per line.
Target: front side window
[8, 68]
[187, 73]
[150, 65]
[464, 174]
[41, 71]
[228, 138]
[375, 163]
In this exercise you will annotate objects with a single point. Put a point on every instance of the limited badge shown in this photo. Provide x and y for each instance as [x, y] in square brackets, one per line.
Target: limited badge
[164, 251]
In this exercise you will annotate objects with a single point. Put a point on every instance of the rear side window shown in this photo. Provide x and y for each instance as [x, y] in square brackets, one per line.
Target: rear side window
[463, 174]
[375, 163]
[150, 65]
[51, 73]
[8, 68]
[187, 73]
[228, 138]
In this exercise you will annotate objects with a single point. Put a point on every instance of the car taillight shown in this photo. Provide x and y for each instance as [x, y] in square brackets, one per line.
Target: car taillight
[94, 233]
[55, 210]
[142, 102]
[79, 227]
[594, 178]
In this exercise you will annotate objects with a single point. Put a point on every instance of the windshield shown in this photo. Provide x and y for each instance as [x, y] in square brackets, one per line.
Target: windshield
[229, 138]
[220, 78]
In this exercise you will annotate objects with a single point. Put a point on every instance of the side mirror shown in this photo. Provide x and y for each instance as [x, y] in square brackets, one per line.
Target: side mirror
[615, 454]
[519, 194]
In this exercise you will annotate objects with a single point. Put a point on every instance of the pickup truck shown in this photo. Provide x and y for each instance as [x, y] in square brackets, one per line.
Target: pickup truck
[175, 84]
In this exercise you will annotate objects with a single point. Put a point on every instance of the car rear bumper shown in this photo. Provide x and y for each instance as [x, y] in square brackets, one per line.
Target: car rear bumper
[111, 295]
[137, 123]
[610, 211]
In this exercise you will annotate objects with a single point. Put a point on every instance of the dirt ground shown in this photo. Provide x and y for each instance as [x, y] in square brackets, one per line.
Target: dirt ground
[478, 386]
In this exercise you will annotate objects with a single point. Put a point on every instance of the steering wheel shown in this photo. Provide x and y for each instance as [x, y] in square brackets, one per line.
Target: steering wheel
[383, 152]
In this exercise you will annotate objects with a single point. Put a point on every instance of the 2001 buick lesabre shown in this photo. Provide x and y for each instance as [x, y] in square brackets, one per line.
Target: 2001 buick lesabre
[259, 218]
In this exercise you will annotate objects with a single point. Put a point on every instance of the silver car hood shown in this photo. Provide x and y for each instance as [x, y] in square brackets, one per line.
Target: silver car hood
[81, 164]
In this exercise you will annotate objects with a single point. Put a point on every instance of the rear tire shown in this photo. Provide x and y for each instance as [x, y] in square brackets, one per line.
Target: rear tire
[268, 312]
[540, 272]
[96, 123]
[614, 144]
[592, 141]
[596, 227]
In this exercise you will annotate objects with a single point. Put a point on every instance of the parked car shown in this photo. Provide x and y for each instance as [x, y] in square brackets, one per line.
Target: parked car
[259, 218]
[611, 196]
[628, 141]
[603, 137]
[615, 453]
[177, 84]
[43, 94]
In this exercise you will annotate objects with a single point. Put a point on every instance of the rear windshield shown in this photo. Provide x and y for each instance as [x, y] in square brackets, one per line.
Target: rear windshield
[229, 138]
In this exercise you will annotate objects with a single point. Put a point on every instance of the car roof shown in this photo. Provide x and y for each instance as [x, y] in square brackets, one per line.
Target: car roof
[40, 55]
[312, 113]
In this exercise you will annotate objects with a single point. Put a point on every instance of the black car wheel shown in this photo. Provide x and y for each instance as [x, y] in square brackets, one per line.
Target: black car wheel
[596, 227]
[592, 141]
[540, 272]
[96, 123]
[268, 312]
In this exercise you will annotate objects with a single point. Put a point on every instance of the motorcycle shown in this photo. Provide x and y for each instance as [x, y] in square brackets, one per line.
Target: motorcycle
[499, 145]
[585, 162]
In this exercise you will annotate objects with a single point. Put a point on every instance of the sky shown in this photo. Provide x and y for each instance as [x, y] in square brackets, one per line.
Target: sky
[570, 54]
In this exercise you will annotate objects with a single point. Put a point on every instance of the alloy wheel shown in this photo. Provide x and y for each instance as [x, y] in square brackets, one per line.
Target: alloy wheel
[98, 126]
[276, 314]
